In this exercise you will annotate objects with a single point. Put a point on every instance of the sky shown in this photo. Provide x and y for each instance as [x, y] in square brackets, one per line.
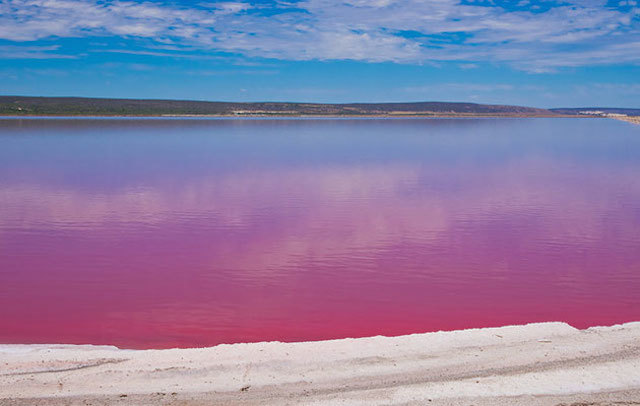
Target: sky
[534, 53]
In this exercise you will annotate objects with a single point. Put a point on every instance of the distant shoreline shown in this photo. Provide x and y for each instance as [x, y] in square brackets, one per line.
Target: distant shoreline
[81, 106]
[534, 364]
[28, 106]
[240, 116]
[629, 119]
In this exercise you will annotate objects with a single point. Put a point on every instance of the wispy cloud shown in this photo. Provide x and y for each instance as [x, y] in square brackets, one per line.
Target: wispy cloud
[32, 52]
[531, 36]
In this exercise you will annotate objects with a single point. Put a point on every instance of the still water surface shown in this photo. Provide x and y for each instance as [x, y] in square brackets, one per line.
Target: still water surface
[158, 233]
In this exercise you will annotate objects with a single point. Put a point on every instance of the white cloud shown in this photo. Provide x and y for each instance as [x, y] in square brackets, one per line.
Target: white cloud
[33, 52]
[567, 35]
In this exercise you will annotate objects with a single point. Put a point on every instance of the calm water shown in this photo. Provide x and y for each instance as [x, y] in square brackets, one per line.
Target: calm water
[160, 233]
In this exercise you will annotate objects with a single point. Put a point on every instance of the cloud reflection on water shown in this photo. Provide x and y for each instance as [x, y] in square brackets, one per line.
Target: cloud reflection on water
[280, 249]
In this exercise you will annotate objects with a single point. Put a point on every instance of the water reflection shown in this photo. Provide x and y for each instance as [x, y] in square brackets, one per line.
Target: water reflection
[156, 233]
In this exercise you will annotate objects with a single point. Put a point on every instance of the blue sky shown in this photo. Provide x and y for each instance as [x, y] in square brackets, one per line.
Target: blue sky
[544, 54]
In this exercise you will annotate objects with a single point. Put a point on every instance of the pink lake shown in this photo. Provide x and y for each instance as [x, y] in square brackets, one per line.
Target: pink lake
[158, 233]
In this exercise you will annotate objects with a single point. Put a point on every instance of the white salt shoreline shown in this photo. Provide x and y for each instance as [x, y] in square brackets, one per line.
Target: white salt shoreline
[544, 363]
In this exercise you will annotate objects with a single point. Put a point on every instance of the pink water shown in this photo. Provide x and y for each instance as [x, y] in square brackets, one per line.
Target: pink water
[164, 233]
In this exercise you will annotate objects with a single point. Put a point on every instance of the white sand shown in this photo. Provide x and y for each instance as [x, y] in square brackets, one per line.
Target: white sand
[537, 364]
[630, 119]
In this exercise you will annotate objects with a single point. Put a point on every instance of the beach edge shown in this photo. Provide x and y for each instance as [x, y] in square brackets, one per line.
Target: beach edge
[532, 363]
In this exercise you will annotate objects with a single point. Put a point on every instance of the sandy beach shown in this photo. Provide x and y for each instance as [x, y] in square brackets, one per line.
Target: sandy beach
[630, 119]
[535, 364]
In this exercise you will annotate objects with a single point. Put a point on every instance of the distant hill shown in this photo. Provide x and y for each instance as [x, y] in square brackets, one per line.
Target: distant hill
[79, 106]
[596, 111]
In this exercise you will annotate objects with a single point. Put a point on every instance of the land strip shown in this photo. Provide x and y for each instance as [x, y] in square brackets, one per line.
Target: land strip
[78, 106]
[536, 364]
[629, 119]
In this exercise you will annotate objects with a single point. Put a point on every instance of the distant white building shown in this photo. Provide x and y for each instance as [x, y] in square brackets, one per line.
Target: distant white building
[601, 113]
